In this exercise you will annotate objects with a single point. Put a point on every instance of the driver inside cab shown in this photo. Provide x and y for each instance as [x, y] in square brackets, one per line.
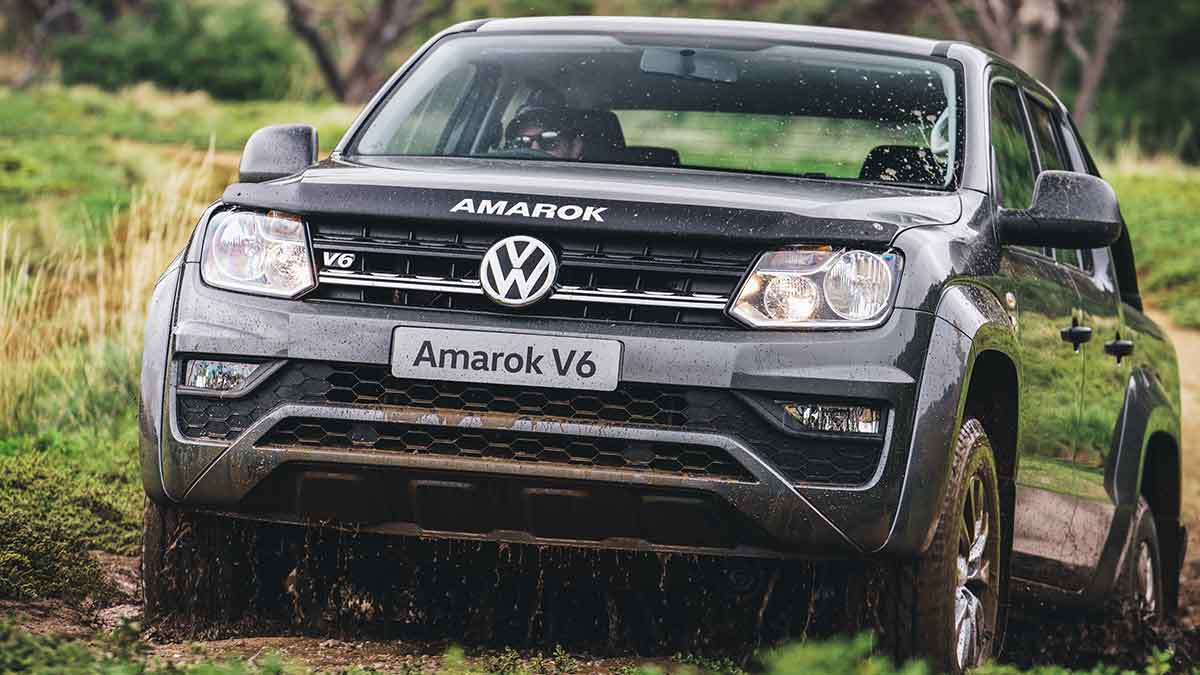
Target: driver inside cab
[548, 130]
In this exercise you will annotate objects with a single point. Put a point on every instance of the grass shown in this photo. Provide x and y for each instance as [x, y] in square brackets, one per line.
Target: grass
[71, 157]
[149, 115]
[70, 326]
[50, 517]
[97, 194]
[1161, 204]
[121, 651]
[73, 293]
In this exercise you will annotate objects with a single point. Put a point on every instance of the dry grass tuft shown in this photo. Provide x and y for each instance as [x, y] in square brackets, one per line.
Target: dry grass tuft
[60, 315]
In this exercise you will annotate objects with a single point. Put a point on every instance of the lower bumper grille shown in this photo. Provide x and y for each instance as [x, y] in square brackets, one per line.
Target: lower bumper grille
[820, 460]
[504, 445]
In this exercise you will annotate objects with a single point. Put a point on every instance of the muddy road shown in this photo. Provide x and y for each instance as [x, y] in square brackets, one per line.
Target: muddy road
[352, 601]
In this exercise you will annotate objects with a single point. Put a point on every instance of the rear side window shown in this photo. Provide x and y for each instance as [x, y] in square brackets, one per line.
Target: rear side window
[1045, 132]
[1014, 162]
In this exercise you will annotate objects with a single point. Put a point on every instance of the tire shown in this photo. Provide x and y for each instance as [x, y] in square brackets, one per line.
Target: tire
[200, 568]
[952, 619]
[157, 520]
[1141, 584]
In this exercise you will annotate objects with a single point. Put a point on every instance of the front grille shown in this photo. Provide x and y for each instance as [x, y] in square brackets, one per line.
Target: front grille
[506, 445]
[419, 265]
[835, 461]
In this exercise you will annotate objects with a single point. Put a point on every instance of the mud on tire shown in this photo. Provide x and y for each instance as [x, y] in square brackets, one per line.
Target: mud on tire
[923, 604]
[1140, 586]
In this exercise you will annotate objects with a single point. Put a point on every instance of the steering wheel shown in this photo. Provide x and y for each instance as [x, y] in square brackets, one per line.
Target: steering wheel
[939, 137]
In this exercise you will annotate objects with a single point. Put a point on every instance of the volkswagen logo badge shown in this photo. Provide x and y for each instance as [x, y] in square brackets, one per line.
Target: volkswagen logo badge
[518, 271]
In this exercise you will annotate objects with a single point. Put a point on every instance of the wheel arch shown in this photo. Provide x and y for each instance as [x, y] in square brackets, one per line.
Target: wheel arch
[992, 378]
[1161, 487]
[1161, 483]
[972, 369]
[152, 387]
[993, 396]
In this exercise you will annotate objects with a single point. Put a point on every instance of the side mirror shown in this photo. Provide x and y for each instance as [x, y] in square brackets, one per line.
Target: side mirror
[277, 151]
[1070, 210]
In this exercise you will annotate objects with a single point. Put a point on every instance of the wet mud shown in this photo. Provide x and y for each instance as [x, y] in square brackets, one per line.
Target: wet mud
[238, 579]
[1082, 641]
[235, 578]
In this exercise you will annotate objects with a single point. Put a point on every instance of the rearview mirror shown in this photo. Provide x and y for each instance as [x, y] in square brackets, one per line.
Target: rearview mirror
[1070, 210]
[277, 151]
[689, 64]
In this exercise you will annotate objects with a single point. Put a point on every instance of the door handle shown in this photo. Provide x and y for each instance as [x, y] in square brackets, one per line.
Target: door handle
[1119, 348]
[1076, 335]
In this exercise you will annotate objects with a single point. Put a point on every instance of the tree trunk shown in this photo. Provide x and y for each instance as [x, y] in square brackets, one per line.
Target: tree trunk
[387, 23]
[299, 18]
[58, 16]
[1032, 34]
[1038, 22]
[1107, 26]
[390, 22]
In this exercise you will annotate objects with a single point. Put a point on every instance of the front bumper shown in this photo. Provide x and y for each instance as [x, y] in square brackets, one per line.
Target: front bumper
[754, 505]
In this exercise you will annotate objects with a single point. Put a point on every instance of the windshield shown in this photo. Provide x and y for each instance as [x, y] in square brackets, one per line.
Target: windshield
[799, 111]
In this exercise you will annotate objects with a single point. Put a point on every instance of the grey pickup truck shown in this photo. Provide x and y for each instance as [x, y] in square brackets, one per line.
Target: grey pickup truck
[720, 288]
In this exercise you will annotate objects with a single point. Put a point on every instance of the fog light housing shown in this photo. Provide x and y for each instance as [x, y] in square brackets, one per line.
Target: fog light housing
[838, 419]
[218, 375]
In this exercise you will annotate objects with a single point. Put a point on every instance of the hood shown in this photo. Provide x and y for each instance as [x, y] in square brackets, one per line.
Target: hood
[538, 195]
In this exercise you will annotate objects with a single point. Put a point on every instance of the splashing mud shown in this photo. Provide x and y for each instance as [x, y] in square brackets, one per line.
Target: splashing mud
[222, 576]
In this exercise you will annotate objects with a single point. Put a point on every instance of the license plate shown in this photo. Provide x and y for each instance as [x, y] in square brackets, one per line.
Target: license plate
[506, 358]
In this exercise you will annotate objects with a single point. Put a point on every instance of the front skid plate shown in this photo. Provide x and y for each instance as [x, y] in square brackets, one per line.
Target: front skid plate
[772, 501]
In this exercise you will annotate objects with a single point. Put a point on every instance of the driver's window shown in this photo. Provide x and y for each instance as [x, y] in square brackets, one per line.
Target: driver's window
[1010, 143]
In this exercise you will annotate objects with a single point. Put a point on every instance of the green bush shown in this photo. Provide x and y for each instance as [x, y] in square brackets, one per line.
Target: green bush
[22, 651]
[51, 515]
[122, 652]
[229, 50]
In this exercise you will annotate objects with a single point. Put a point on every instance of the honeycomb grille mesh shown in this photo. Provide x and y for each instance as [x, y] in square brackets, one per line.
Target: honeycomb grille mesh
[505, 445]
[812, 460]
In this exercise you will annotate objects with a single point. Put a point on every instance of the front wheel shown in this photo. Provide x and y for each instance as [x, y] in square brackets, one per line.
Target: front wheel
[948, 601]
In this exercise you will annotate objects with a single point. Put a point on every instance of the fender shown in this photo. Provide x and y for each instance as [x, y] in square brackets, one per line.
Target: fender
[971, 321]
[160, 317]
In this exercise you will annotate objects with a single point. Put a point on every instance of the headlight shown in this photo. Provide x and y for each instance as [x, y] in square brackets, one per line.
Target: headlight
[818, 287]
[263, 253]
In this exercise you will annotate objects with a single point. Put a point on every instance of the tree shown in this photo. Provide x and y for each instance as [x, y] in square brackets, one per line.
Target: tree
[36, 22]
[382, 27]
[1035, 33]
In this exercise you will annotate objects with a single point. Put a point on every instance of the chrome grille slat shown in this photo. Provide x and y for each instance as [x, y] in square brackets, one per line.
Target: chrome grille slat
[429, 266]
[569, 294]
